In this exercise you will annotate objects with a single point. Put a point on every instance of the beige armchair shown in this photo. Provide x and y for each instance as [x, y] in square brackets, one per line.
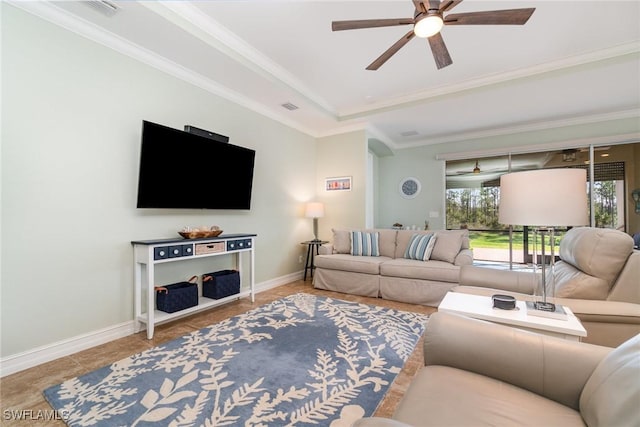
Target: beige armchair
[484, 374]
[597, 277]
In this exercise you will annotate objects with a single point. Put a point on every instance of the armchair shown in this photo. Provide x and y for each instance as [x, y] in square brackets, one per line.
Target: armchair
[483, 374]
[597, 277]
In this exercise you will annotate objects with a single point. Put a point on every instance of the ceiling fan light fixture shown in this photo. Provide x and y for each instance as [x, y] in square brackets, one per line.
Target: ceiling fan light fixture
[477, 168]
[429, 25]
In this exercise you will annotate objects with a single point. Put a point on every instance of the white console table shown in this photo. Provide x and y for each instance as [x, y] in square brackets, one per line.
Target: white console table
[148, 253]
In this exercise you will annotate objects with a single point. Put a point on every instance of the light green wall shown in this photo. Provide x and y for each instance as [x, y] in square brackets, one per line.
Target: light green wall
[337, 156]
[418, 163]
[71, 121]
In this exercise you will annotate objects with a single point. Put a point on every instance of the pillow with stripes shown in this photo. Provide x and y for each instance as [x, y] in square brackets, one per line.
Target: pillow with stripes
[365, 244]
[420, 247]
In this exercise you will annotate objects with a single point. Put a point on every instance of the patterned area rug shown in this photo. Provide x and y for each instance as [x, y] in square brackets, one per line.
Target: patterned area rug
[301, 360]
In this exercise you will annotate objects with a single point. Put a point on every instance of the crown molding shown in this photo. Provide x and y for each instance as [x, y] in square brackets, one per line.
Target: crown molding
[528, 127]
[219, 37]
[494, 79]
[55, 15]
[216, 35]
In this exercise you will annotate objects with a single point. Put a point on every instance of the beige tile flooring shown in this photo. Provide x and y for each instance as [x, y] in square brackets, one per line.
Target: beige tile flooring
[23, 390]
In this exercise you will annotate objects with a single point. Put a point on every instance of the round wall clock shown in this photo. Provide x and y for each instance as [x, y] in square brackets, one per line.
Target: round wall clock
[409, 187]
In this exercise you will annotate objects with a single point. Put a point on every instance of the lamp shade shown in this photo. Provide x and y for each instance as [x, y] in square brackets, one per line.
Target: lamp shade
[544, 197]
[314, 210]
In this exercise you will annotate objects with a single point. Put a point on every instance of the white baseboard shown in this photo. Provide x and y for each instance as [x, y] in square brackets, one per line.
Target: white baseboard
[279, 281]
[30, 358]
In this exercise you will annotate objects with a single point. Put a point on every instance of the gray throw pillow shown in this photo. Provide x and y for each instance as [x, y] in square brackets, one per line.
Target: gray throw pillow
[448, 244]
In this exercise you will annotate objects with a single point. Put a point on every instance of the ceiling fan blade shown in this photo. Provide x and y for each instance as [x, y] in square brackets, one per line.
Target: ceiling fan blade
[420, 6]
[439, 50]
[391, 51]
[447, 5]
[490, 17]
[369, 23]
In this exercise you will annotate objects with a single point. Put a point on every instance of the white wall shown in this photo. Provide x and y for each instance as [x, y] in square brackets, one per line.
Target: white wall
[71, 120]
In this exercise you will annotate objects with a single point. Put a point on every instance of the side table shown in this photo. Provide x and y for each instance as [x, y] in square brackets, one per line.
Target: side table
[481, 307]
[312, 250]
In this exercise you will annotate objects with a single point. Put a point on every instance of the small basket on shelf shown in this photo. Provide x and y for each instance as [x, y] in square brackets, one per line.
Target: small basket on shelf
[200, 233]
[177, 296]
[221, 284]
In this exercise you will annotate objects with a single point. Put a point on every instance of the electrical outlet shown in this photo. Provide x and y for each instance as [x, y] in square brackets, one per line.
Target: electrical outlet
[300, 259]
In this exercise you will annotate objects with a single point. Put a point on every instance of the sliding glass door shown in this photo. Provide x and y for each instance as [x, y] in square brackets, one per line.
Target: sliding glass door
[473, 195]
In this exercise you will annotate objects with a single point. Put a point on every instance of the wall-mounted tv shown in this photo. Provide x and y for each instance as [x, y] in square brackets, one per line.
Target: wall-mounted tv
[181, 170]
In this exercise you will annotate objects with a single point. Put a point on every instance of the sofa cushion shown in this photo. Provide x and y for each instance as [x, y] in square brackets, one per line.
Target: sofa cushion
[426, 270]
[403, 238]
[345, 262]
[573, 283]
[387, 241]
[611, 395]
[599, 252]
[478, 401]
[341, 241]
[448, 244]
[420, 247]
[365, 244]
[464, 257]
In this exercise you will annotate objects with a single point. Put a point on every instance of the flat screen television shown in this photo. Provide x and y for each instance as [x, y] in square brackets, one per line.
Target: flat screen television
[181, 170]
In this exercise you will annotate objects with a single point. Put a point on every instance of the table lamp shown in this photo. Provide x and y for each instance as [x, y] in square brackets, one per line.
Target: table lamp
[314, 210]
[543, 199]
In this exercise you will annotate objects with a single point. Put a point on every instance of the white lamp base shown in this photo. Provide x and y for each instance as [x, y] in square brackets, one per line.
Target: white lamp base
[546, 309]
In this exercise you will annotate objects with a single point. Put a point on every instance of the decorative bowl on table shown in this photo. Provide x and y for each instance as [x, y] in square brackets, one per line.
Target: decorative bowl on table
[199, 233]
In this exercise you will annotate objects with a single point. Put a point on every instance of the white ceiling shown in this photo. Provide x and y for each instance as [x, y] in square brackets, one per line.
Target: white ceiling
[572, 62]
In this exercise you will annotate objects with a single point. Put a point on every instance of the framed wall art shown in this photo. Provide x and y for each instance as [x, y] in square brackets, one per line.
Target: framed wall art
[342, 183]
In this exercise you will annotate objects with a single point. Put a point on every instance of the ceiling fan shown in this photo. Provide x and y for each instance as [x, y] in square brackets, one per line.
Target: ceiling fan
[476, 170]
[427, 22]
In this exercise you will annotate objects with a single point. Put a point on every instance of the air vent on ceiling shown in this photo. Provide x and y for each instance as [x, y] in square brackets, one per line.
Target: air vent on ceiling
[290, 106]
[409, 133]
[105, 7]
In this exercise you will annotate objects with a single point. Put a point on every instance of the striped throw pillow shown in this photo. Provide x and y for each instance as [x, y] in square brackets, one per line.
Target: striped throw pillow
[365, 244]
[420, 247]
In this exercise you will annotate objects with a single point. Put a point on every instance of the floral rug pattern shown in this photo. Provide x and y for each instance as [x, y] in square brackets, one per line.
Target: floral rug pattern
[299, 361]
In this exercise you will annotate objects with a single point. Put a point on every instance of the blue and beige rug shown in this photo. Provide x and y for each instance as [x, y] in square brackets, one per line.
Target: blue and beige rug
[301, 360]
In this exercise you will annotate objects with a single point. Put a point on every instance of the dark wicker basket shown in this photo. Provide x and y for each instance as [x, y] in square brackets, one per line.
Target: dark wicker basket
[221, 284]
[177, 296]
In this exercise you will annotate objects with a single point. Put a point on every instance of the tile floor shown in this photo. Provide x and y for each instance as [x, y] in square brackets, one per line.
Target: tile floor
[23, 390]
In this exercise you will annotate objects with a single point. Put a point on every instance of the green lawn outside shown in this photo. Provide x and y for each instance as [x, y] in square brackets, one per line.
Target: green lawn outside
[493, 240]
[497, 240]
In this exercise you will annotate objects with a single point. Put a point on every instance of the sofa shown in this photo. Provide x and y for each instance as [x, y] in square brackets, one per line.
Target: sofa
[478, 373]
[414, 266]
[597, 277]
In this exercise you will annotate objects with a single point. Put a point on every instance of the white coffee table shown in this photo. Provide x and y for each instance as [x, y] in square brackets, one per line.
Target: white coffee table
[481, 307]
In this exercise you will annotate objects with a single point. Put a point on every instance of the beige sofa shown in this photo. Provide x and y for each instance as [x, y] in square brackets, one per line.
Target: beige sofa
[598, 278]
[483, 374]
[391, 275]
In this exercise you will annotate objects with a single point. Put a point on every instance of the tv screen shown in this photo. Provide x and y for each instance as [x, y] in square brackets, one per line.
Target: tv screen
[181, 170]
